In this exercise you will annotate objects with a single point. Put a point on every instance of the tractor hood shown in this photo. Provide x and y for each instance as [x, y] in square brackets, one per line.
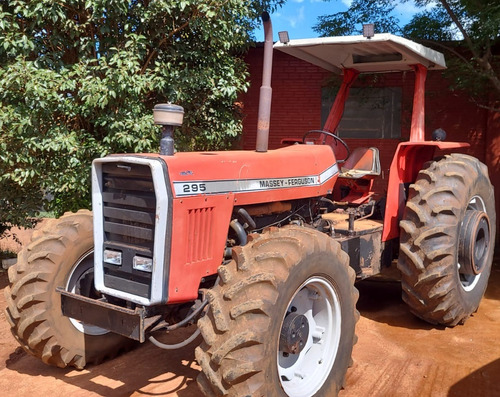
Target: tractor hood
[380, 53]
[292, 172]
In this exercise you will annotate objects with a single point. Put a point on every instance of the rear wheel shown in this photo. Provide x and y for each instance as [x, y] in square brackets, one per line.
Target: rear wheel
[281, 320]
[447, 240]
[60, 254]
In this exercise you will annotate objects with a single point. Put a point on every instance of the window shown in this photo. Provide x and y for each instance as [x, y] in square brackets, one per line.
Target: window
[369, 112]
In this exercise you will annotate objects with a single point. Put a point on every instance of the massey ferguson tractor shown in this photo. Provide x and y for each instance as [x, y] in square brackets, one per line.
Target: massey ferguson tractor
[259, 250]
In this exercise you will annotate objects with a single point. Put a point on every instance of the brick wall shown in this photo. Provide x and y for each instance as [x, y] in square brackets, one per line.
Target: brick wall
[296, 101]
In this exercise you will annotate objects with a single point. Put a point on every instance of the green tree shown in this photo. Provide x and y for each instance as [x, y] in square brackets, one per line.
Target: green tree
[79, 79]
[360, 11]
[468, 31]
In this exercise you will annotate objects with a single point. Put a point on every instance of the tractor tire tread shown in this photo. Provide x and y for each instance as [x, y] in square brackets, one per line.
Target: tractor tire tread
[230, 354]
[427, 259]
[29, 300]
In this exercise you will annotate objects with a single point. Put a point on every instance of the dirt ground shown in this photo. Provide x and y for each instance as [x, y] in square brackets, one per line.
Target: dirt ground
[396, 355]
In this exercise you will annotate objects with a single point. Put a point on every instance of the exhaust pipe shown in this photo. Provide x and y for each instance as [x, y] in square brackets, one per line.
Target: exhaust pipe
[265, 90]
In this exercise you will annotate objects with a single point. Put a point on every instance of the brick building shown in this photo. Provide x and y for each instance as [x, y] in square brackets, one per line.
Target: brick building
[299, 96]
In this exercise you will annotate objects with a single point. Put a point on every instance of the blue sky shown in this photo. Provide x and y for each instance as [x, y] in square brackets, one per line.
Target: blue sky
[299, 16]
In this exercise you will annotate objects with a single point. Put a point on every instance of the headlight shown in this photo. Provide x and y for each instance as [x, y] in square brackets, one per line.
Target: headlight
[112, 257]
[143, 264]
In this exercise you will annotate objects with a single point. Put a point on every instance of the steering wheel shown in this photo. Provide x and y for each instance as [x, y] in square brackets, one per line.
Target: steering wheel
[332, 135]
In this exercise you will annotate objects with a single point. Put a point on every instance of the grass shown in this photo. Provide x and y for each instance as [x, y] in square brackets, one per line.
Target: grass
[45, 214]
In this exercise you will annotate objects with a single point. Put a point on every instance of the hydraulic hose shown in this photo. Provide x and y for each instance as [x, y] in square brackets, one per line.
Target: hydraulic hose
[239, 230]
[186, 342]
[183, 322]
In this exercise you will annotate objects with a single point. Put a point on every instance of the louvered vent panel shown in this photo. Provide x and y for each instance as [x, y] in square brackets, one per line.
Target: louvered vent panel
[199, 235]
[129, 204]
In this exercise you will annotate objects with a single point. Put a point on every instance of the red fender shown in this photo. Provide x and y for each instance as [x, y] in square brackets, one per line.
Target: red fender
[407, 162]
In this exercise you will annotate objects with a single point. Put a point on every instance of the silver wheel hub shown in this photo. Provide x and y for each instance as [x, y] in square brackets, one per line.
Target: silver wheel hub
[310, 337]
[81, 281]
[474, 241]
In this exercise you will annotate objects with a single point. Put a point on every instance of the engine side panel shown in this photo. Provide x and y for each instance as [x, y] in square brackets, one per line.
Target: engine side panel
[199, 231]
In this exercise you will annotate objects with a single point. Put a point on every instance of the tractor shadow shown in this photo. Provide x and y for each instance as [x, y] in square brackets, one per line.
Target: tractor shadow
[493, 290]
[381, 301]
[483, 382]
[146, 370]
[4, 280]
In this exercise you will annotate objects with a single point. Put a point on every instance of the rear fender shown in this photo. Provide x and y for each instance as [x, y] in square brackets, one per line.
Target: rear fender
[406, 164]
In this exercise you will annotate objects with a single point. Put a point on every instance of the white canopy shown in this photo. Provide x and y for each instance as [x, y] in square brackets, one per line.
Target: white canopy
[381, 53]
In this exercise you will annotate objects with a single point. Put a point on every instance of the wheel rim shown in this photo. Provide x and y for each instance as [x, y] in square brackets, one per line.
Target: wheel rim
[81, 281]
[468, 279]
[304, 373]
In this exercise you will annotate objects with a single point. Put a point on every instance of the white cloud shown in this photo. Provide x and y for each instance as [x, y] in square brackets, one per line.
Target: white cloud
[347, 2]
[408, 9]
[295, 19]
[298, 1]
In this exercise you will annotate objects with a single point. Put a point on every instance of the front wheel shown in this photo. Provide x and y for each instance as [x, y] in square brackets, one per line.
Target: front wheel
[281, 320]
[60, 254]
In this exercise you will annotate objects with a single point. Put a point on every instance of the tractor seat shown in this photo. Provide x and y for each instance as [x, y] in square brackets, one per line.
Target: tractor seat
[362, 163]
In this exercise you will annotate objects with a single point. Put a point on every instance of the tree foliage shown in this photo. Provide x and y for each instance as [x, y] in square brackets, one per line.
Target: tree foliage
[468, 31]
[79, 79]
[360, 11]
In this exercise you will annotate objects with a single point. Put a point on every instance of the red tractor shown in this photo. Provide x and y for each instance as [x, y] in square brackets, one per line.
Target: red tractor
[261, 248]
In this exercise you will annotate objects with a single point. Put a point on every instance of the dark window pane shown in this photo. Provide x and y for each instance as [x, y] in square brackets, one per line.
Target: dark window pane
[369, 112]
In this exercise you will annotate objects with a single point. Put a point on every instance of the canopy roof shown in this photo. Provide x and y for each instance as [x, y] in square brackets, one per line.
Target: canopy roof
[381, 53]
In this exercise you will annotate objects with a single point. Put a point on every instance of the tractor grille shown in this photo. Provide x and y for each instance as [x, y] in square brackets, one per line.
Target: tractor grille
[129, 211]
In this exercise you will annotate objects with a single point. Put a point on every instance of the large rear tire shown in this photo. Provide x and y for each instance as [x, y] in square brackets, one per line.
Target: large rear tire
[60, 254]
[447, 240]
[281, 319]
